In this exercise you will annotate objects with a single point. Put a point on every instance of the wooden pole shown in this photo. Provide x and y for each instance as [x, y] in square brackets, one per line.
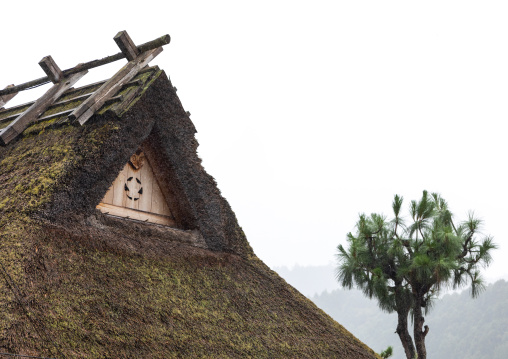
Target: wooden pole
[125, 43]
[51, 69]
[88, 107]
[38, 108]
[6, 98]
[150, 45]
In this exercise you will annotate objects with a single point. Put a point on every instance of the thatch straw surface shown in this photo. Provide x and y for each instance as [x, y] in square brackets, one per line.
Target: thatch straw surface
[77, 283]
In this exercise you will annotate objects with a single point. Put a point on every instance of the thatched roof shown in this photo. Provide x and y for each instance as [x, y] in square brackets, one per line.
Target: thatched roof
[76, 282]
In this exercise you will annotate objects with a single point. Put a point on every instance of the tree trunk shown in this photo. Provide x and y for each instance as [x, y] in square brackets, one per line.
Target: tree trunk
[403, 301]
[419, 334]
[405, 338]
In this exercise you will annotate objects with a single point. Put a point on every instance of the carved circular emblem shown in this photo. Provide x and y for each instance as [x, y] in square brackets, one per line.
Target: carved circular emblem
[133, 188]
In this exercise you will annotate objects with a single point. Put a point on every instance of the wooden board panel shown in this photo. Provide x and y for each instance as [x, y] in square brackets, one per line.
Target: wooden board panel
[108, 198]
[134, 185]
[129, 183]
[134, 214]
[157, 199]
[165, 209]
[118, 189]
[146, 175]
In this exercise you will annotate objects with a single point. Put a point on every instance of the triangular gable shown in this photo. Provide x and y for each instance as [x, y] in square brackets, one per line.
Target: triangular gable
[136, 194]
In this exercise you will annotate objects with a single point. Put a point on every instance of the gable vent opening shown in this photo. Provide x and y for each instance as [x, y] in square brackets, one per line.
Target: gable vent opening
[136, 194]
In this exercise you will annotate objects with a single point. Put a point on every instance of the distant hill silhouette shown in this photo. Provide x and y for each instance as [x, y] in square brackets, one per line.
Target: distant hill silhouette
[310, 280]
[460, 327]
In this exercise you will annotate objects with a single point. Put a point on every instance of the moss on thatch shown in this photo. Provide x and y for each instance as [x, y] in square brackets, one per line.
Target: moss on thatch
[77, 283]
[107, 289]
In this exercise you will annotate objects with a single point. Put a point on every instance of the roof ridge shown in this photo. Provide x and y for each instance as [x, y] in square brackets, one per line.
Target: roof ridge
[151, 45]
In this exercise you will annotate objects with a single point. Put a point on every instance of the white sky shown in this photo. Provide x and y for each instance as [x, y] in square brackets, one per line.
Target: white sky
[311, 112]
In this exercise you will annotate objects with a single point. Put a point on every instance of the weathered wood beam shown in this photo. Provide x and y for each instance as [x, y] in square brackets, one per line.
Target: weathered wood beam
[38, 108]
[55, 115]
[68, 112]
[135, 215]
[8, 118]
[71, 91]
[6, 98]
[51, 69]
[98, 84]
[125, 43]
[73, 99]
[111, 87]
[150, 45]
[126, 102]
[13, 109]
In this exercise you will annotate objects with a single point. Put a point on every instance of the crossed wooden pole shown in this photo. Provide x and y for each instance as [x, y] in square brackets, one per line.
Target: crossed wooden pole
[138, 57]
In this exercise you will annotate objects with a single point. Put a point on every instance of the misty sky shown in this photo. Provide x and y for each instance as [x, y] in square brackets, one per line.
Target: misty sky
[309, 113]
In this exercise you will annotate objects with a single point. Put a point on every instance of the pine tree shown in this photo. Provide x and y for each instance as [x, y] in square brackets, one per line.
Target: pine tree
[405, 265]
[388, 352]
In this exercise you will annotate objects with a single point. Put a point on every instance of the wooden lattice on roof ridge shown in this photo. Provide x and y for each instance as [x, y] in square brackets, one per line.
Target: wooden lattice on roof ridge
[138, 57]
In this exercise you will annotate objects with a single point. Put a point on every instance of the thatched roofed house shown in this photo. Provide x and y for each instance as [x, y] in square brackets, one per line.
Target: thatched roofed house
[114, 241]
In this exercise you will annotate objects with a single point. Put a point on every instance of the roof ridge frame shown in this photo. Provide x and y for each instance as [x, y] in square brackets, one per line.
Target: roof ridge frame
[17, 126]
[14, 108]
[121, 107]
[159, 42]
[87, 109]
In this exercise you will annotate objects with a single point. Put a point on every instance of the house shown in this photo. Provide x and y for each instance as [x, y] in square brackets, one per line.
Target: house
[115, 242]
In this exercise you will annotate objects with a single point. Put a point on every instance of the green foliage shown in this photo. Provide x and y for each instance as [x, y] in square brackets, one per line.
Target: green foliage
[427, 254]
[31, 169]
[388, 352]
[406, 263]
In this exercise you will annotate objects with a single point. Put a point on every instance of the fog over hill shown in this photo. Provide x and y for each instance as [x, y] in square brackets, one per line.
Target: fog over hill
[460, 327]
[310, 280]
